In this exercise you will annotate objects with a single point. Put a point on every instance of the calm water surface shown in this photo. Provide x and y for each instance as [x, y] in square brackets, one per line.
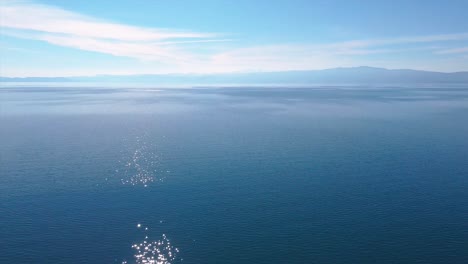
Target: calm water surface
[234, 175]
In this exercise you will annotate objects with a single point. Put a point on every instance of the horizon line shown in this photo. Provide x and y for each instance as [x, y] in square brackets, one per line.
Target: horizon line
[223, 73]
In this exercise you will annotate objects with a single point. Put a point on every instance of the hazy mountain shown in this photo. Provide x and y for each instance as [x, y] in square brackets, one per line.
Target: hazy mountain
[356, 75]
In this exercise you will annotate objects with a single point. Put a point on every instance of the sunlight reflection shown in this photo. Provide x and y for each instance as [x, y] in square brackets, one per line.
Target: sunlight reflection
[156, 252]
[143, 168]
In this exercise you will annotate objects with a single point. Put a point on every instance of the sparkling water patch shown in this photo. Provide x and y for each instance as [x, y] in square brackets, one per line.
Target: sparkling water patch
[159, 251]
[143, 167]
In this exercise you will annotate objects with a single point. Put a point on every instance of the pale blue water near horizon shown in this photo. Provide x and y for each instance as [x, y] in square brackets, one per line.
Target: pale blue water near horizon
[234, 175]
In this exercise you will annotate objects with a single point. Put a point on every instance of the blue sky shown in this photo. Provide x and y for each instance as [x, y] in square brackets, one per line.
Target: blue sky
[76, 38]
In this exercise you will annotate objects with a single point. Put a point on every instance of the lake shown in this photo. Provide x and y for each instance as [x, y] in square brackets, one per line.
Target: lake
[324, 174]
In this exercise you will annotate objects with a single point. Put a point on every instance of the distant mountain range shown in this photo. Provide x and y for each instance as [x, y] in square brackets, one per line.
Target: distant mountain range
[354, 75]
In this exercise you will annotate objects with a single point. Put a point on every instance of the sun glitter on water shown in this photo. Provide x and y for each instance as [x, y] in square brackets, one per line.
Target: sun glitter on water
[155, 252]
[143, 167]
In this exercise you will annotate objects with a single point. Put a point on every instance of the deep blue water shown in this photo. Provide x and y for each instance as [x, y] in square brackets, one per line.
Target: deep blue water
[234, 175]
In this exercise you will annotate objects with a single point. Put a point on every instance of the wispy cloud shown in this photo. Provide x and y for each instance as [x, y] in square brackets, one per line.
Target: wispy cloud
[25, 19]
[453, 51]
[43, 18]
[407, 40]
[320, 56]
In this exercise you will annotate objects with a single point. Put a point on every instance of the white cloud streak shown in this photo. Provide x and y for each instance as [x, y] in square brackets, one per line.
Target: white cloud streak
[43, 18]
[28, 20]
[454, 51]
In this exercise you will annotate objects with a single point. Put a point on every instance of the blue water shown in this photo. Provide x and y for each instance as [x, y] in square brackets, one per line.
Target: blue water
[234, 175]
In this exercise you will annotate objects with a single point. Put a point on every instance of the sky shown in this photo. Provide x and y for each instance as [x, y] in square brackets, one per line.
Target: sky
[84, 38]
